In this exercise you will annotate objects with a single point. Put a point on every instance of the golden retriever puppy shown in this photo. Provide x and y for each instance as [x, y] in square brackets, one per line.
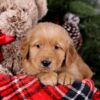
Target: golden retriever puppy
[48, 53]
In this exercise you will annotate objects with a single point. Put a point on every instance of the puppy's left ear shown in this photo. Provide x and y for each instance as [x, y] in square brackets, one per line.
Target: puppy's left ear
[71, 55]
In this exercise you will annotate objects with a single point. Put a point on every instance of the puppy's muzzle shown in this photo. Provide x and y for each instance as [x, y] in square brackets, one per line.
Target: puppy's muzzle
[45, 63]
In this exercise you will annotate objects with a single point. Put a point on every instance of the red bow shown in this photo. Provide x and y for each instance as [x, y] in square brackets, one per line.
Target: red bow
[4, 39]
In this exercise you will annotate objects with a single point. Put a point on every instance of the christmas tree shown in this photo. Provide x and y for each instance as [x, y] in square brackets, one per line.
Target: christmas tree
[89, 13]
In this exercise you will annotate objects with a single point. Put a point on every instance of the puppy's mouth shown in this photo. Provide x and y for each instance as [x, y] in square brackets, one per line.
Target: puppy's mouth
[43, 69]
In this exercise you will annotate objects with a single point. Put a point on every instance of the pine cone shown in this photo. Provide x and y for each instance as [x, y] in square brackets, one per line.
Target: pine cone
[74, 33]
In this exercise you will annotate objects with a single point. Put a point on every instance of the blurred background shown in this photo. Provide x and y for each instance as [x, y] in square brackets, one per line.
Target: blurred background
[88, 12]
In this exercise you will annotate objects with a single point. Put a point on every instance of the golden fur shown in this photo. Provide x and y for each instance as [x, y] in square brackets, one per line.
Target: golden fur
[50, 42]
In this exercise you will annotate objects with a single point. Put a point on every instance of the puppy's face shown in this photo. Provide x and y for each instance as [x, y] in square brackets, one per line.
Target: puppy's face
[46, 47]
[47, 50]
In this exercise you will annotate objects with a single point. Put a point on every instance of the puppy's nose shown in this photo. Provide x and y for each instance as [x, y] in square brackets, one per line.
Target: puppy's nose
[46, 63]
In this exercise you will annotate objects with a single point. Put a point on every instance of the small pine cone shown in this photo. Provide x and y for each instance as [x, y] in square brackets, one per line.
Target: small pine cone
[74, 33]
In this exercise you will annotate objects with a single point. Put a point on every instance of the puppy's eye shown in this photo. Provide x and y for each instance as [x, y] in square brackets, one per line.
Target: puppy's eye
[38, 46]
[56, 47]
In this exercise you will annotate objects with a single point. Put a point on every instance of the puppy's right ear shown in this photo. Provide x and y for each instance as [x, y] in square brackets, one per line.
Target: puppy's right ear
[25, 48]
[71, 55]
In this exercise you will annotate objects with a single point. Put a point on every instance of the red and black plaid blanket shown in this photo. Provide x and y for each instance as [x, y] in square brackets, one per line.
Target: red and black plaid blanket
[24, 87]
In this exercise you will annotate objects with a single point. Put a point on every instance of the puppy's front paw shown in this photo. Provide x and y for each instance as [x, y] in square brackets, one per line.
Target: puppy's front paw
[48, 78]
[65, 79]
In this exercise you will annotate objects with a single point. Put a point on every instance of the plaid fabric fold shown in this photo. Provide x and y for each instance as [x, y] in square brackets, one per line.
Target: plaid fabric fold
[79, 91]
[23, 87]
